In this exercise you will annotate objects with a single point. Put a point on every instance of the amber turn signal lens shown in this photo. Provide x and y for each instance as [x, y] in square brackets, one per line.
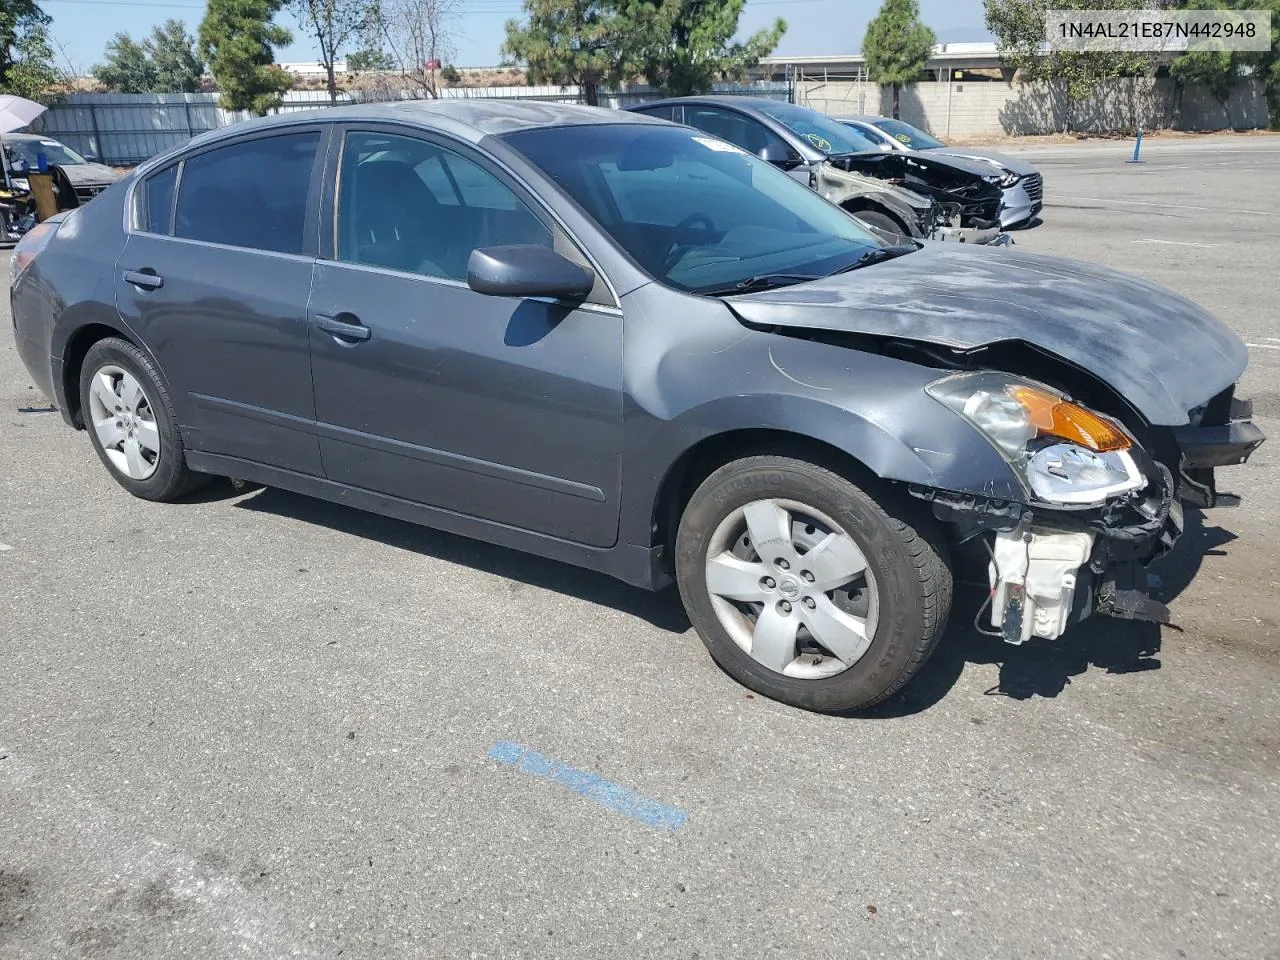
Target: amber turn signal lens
[1052, 416]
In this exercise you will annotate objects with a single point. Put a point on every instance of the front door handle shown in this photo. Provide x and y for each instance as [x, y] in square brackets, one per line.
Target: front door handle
[147, 279]
[350, 329]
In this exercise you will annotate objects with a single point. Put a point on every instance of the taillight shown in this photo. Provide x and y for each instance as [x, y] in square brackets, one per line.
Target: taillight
[32, 242]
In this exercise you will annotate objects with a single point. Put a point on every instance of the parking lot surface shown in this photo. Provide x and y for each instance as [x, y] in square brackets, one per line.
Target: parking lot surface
[256, 725]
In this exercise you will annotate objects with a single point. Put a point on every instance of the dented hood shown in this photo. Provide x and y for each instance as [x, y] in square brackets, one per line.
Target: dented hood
[1159, 350]
[89, 174]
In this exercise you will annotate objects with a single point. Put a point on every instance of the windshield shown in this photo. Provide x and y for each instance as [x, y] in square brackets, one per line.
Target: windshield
[26, 153]
[913, 137]
[829, 136]
[691, 210]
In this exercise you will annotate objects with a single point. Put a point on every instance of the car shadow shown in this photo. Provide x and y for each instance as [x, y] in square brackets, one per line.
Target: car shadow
[1044, 668]
[662, 609]
[1038, 668]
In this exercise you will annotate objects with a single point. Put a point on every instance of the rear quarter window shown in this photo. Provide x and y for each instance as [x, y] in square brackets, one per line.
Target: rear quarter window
[157, 201]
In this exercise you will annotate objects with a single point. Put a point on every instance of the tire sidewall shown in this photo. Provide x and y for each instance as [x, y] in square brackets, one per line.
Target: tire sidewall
[900, 621]
[170, 475]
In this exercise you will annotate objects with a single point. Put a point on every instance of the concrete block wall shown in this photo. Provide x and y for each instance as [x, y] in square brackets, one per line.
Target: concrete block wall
[960, 109]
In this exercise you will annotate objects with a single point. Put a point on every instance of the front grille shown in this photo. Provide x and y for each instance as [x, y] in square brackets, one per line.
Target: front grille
[85, 194]
[1033, 183]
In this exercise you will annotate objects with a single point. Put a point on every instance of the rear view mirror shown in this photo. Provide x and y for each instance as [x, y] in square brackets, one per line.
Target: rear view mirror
[527, 270]
[780, 155]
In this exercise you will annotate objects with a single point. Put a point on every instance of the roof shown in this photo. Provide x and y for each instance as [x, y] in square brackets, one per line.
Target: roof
[468, 119]
[37, 137]
[724, 100]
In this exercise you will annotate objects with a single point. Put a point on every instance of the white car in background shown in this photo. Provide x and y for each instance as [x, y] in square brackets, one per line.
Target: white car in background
[1022, 184]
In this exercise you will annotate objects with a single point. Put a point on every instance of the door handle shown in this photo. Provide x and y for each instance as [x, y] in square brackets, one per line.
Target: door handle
[351, 329]
[146, 279]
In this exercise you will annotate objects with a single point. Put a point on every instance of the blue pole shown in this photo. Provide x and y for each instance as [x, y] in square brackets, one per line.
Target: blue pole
[1137, 148]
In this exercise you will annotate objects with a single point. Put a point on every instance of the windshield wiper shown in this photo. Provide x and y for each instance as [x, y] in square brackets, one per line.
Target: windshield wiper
[877, 255]
[762, 282]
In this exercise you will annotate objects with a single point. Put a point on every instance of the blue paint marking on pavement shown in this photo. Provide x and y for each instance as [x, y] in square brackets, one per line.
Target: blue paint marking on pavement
[614, 796]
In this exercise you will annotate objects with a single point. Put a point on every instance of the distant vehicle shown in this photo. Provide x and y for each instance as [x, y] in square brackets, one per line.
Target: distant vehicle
[1021, 183]
[944, 198]
[621, 343]
[87, 177]
[76, 180]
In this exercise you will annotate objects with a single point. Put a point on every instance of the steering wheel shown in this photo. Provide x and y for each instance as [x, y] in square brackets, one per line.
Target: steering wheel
[680, 237]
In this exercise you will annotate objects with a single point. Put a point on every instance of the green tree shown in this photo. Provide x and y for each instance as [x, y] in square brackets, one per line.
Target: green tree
[26, 52]
[237, 39]
[684, 46]
[165, 62]
[335, 24]
[568, 42]
[897, 46]
[128, 68]
[1019, 27]
[450, 74]
[1223, 71]
[370, 58]
[177, 64]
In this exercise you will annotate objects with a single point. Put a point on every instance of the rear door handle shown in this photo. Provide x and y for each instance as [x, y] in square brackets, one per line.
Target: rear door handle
[350, 329]
[146, 279]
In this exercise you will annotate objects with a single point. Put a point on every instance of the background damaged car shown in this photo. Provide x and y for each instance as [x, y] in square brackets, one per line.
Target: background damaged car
[1022, 184]
[76, 179]
[937, 198]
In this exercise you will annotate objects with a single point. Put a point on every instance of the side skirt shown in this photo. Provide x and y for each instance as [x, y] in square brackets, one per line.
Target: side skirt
[640, 566]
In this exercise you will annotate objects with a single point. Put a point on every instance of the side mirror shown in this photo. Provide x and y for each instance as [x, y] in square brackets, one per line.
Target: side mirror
[527, 270]
[780, 155]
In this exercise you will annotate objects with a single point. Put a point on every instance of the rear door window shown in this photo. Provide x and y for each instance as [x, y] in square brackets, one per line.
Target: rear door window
[751, 135]
[666, 112]
[249, 194]
[157, 214]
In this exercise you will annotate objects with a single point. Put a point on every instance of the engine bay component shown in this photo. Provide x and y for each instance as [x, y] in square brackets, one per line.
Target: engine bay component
[1033, 576]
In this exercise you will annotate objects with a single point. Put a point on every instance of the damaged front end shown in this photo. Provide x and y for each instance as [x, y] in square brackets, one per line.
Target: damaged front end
[966, 207]
[1050, 568]
[1098, 508]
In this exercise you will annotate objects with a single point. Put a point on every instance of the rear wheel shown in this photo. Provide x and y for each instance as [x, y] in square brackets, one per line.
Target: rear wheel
[805, 588]
[129, 418]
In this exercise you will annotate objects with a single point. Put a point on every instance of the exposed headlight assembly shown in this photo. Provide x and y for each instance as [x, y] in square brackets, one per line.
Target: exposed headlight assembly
[1062, 452]
[1008, 179]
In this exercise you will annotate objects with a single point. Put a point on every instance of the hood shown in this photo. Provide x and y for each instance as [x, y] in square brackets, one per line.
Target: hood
[988, 157]
[933, 158]
[89, 174]
[1161, 352]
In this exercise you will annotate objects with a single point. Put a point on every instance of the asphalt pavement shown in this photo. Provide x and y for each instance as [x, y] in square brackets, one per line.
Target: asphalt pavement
[256, 725]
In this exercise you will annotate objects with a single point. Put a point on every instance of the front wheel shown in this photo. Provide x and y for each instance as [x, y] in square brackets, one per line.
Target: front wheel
[807, 589]
[882, 222]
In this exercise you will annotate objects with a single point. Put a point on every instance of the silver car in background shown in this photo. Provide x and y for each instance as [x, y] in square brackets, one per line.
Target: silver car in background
[1022, 184]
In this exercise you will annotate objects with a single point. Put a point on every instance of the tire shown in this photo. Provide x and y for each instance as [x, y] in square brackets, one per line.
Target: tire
[111, 370]
[881, 221]
[900, 603]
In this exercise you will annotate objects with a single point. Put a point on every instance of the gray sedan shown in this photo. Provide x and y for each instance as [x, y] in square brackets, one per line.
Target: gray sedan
[1022, 184]
[620, 343]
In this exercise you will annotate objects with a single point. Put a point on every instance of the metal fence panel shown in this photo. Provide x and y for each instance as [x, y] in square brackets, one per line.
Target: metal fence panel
[126, 129]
